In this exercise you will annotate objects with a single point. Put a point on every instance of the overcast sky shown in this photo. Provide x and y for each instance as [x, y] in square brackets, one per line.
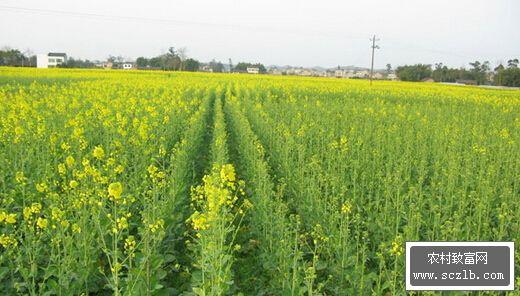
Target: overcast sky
[282, 32]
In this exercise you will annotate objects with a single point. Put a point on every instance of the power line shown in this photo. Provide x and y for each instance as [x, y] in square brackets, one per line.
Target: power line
[106, 16]
[163, 21]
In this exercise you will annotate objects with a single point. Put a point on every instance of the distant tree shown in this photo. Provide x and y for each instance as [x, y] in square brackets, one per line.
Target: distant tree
[191, 65]
[170, 60]
[479, 71]
[414, 72]
[513, 63]
[77, 63]
[32, 61]
[509, 76]
[216, 66]
[242, 67]
[261, 68]
[499, 68]
[156, 62]
[11, 57]
[115, 60]
[438, 73]
[182, 54]
[442, 73]
[142, 62]
[27, 58]
[388, 69]
[497, 79]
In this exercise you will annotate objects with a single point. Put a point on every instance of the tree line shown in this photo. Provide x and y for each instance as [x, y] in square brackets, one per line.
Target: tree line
[16, 58]
[479, 73]
[175, 59]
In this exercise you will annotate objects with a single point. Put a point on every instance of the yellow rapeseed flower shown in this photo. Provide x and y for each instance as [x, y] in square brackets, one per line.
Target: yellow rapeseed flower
[98, 152]
[7, 241]
[122, 223]
[119, 169]
[41, 187]
[42, 223]
[10, 218]
[76, 228]
[227, 173]
[73, 184]
[115, 190]
[62, 169]
[130, 244]
[70, 161]
[20, 178]
[346, 208]
[397, 246]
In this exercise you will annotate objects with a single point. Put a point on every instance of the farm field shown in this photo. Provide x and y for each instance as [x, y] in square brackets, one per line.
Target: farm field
[170, 183]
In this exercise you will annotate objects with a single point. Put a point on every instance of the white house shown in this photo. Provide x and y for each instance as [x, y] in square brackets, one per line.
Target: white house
[253, 70]
[50, 60]
[338, 73]
[275, 71]
[206, 68]
[378, 75]
[127, 66]
[362, 74]
[391, 76]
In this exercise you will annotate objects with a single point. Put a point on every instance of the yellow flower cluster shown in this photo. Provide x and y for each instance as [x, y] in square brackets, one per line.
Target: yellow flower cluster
[42, 223]
[34, 209]
[216, 198]
[397, 246]
[7, 218]
[340, 145]
[115, 190]
[346, 208]
[98, 152]
[122, 223]
[76, 228]
[227, 173]
[42, 187]
[318, 234]
[155, 174]
[7, 241]
[155, 226]
[69, 161]
[21, 178]
[57, 217]
[130, 245]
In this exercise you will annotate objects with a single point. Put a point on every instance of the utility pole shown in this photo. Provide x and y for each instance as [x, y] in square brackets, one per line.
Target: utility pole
[374, 47]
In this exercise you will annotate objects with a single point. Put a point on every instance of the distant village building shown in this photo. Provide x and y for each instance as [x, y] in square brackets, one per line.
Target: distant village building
[362, 74]
[127, 66]
[206, 68]
[377, 75]
[275, 71]
[428, 79]
[339, 73]
[253, 70]
[105, 65]
[306, 72]
[391, 76]
[50, 60]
